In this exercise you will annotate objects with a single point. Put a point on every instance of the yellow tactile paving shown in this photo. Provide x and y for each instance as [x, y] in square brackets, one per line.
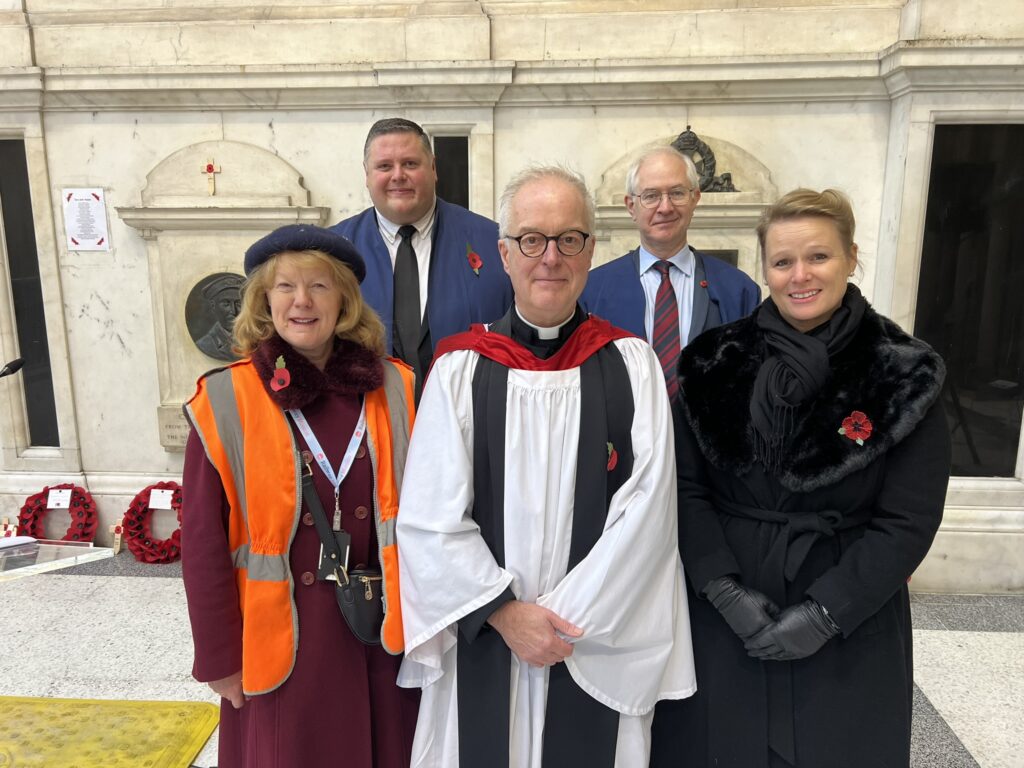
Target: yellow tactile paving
[83, 733]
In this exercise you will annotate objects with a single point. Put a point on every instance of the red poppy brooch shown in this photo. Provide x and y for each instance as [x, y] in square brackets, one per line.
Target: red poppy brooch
[282, 376]
[475, 262]
[857, 427]
[613, 457]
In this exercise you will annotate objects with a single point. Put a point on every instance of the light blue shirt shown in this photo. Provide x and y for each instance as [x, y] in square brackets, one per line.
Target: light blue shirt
[681, 275]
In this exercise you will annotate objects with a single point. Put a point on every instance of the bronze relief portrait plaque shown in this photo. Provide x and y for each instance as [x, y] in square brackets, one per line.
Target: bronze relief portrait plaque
[210, 311]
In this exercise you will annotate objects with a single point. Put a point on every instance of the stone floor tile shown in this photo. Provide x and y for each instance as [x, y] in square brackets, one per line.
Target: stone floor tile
[932, 743]
[975, 681]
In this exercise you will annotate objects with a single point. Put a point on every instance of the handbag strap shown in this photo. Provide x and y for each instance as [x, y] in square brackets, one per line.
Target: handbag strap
[323, 528]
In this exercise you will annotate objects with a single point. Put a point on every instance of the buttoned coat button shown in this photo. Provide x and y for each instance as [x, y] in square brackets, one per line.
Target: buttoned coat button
[361, 452]
[361, 513]
[307, 578]
[307, 518]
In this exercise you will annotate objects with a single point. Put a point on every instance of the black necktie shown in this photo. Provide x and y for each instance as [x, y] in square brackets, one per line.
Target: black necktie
[407, 298]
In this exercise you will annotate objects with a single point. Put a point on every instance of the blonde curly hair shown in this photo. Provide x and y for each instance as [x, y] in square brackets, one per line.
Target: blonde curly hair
[357, 322]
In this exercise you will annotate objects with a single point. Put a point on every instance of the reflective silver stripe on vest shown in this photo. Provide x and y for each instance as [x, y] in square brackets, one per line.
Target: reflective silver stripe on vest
[261, 567]
[240, 557]
[221, 393]
[398, 416]
[398, 412]
[268, 568]
[386, 528]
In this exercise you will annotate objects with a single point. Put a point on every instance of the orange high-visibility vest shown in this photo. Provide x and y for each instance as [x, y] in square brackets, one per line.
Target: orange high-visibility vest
[241, 427]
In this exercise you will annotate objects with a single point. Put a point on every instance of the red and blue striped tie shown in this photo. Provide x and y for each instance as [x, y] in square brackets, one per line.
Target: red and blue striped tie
[665, 336]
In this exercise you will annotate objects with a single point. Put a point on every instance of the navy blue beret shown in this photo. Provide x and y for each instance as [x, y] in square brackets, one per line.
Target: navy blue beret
[305, 237]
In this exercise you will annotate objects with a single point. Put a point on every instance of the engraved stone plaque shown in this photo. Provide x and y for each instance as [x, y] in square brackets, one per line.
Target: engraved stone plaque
[174, 427]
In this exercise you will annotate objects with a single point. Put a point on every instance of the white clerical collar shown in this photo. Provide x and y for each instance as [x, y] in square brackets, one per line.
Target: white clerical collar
[547, 333]
[684, 260]
[389, 230]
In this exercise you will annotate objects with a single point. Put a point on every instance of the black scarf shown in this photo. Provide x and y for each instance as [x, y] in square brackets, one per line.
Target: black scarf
[795, 370]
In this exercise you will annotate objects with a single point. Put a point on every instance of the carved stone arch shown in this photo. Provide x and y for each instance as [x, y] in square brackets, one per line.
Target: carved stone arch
[722, 221]
[202, 206]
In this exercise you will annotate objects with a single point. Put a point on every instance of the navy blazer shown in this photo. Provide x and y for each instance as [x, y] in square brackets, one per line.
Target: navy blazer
[614, 292]
[457, 296]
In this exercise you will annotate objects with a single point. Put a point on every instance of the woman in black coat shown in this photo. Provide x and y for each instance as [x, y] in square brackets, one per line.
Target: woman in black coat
[813, 463]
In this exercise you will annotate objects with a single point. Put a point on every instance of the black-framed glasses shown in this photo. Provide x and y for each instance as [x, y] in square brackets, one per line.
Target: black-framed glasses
[651, 198]
[569, 243]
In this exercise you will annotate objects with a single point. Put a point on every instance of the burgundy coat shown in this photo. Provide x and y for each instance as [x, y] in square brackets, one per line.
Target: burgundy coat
[340, 706]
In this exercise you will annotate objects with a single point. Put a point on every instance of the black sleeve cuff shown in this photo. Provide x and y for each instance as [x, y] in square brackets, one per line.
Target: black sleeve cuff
[471, 624]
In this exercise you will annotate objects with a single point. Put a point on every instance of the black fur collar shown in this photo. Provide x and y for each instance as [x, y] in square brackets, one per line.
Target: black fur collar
[351, 370]
[890, 376]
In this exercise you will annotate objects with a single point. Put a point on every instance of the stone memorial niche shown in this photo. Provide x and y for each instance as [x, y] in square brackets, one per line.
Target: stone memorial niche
[202, 206]
[735, 188]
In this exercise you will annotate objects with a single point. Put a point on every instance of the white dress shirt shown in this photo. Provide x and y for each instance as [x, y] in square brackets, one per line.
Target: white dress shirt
[421, 243]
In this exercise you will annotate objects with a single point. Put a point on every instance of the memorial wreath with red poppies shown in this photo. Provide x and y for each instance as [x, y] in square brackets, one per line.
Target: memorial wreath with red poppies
[84, 519]
[141, 542]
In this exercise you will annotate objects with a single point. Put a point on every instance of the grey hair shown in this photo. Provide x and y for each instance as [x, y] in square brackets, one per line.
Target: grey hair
[396, 125]
[634, 168]
[536, 173]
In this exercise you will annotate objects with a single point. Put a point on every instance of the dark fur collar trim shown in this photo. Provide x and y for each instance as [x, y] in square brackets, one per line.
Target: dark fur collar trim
[890, 376]
[351, 370]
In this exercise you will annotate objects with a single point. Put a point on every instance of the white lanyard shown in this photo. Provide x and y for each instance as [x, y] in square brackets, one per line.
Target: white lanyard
[321, 457]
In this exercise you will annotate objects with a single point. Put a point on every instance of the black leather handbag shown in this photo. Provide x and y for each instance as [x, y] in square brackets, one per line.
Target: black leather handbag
[359, 593]
[361, 603]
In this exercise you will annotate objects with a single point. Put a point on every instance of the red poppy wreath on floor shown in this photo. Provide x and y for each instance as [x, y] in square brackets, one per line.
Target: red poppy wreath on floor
[84, 519]
[141, 542]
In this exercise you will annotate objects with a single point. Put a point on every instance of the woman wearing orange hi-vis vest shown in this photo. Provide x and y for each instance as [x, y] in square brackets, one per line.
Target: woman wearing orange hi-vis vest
[291, 480]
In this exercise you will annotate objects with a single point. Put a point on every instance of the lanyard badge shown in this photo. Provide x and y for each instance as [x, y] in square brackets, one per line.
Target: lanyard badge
[333, 563]
[321, 457]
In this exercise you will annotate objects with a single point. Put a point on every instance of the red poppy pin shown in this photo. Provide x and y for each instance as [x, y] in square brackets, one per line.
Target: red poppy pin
[703, 283]
[475, 262]
[281, 378]
[613, 457]
[857, 426]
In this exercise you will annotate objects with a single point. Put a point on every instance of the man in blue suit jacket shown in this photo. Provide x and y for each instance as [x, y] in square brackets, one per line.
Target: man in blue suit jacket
[662, 190]
[460, 276]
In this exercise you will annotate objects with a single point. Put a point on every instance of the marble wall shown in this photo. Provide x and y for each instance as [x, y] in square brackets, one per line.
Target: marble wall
[787, 92]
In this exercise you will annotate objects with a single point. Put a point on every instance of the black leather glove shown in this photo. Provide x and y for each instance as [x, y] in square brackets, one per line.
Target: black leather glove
[800, 631]
[746, 611]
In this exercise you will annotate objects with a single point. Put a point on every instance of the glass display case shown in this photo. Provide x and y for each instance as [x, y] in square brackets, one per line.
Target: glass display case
[23, 556]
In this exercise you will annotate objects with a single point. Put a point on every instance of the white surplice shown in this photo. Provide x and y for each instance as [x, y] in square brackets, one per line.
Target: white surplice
[627, 594]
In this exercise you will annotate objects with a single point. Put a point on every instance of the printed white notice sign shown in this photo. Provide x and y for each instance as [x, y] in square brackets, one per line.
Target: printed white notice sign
[161, 498]
[58, 498]
[85, 219]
